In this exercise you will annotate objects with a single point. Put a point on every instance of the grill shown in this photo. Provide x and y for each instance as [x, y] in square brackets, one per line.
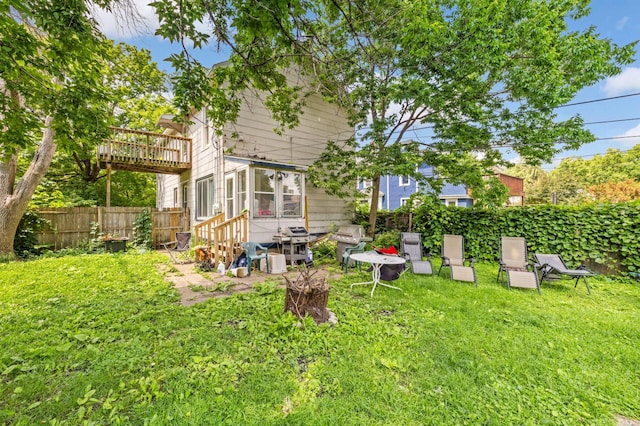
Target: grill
[347, 236]
[295, 243]
[297, 234]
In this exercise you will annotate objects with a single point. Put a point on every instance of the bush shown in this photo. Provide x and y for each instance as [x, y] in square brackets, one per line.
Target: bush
[142, 230]
[25, 243]
[388, 238]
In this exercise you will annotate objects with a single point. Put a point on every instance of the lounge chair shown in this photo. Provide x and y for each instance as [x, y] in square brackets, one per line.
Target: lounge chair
[460, 269]
[550, 264]
[177, 248]
[251, 249]
[411, 249]
[522, 279]
[513, 256]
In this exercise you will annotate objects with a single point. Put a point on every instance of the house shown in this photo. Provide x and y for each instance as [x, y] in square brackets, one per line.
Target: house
[247, 172]
[395, 191]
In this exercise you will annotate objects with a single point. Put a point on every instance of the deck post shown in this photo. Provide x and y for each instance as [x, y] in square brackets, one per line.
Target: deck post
[108, 201]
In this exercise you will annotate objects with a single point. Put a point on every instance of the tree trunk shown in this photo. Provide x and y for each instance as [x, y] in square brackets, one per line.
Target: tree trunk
[15, 197]
[373, 211]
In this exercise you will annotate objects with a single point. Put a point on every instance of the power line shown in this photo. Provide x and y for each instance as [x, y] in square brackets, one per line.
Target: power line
[599, 100]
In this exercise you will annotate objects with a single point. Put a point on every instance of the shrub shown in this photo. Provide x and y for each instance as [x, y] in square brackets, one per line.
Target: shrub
[25, 243]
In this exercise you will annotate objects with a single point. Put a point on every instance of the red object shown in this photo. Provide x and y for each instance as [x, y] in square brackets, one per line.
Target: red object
[386, 250]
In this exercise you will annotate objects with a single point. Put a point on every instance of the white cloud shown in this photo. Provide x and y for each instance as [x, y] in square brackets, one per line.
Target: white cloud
[631, 141]
[127, 22]
[621, 23]
[628, 80]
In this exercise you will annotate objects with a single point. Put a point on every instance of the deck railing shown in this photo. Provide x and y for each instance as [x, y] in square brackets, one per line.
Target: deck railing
[223, 237]
[129, 146]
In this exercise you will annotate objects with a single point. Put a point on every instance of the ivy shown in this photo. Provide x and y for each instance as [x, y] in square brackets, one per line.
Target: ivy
[603, 234]
[142, 230]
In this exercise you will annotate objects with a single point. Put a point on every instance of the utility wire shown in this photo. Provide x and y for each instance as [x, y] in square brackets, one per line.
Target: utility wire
[599, 100]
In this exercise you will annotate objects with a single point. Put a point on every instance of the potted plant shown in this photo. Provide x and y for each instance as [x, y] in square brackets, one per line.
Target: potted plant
[113, 243]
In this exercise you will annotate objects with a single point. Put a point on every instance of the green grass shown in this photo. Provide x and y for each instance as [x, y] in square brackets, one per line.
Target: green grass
[102, 339]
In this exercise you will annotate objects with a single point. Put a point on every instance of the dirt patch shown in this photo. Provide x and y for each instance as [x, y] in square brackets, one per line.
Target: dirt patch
[625, 421]
[195, 287]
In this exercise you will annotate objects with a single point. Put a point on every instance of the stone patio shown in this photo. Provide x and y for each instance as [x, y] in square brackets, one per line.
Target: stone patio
[195, 286]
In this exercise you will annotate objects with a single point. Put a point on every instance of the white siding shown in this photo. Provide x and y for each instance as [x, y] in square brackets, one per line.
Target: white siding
[256, 139]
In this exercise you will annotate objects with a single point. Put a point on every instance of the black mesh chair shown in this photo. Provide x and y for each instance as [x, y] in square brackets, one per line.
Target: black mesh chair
[178, 248]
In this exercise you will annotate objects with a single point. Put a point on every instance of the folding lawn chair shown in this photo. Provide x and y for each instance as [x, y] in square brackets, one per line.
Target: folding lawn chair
[178, 248]
[550, 264]
[411, 249]
[453, 258]
[523, 279]
[513, 256]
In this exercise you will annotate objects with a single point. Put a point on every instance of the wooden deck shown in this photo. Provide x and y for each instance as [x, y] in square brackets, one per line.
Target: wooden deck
[139, 151]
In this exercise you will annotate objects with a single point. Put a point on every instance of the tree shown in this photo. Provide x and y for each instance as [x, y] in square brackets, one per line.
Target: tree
[48, 77]
[616, 192]
[482, 75]
[52, 95]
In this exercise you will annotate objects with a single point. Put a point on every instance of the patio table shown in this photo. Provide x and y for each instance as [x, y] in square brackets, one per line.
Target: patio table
[377, 261]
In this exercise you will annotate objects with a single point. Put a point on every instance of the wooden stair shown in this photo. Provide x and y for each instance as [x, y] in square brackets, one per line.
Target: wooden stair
[223, 237]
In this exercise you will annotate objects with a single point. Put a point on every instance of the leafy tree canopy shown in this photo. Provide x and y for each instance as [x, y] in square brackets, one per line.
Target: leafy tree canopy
[483, 75]
[612, 177]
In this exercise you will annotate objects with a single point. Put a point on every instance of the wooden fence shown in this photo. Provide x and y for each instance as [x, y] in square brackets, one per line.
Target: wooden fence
[68, 227]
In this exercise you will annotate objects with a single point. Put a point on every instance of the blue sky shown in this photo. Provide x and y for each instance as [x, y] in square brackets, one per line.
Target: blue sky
[617, 20]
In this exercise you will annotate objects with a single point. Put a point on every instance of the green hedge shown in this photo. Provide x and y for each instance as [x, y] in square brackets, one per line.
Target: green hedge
[600, 234]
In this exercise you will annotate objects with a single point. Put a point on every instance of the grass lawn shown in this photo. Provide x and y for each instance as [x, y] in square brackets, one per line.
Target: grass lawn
[102, 339]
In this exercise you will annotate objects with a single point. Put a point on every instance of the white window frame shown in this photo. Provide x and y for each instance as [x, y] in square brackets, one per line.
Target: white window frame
[404, 180]
[185, 195]
[264, 204]
[229, 195]
[242, 183]
[286, 205]
[448, 202]
[290, 208]
[404, 201]
[205, 197]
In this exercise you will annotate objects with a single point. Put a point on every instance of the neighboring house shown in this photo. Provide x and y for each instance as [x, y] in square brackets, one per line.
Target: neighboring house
[395, 191]
[249, 168]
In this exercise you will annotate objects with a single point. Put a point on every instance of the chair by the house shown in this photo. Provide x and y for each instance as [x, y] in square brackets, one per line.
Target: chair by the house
[553, 264]
[513, 256]
[522, 279]
[411, 249]
[251, 249]
[178, 248]
[460, 269]
[348, 251]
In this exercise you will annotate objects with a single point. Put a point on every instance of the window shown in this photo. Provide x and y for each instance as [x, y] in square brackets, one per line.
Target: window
[229, 195]
[265, 193]
[404, 201]
[277, 193]
[204, 197]
[184, 195]
[404, 180]
[366, 183]
[175, 197]
[291, 184]
[242, 190]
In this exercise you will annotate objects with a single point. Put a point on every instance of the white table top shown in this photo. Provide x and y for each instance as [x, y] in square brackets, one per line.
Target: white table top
[377, 258]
